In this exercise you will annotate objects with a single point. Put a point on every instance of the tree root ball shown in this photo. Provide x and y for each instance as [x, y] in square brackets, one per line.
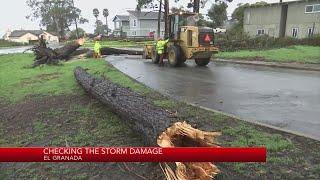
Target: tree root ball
[46, 55]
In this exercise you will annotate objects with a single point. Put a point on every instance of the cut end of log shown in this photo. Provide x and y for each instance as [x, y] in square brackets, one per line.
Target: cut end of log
[183, 135]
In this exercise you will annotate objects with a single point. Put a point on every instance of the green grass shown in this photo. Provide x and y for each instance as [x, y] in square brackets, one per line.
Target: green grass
[301, 54]
[18, 80]
[117, 43]
[247, 136]
[278, 160]
[91, 124]
[167, 103]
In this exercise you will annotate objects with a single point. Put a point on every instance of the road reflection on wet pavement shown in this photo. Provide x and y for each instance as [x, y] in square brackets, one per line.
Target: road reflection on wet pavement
[285, 98]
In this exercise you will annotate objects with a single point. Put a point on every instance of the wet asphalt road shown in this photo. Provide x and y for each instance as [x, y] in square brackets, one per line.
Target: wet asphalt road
[21, 49]
[285, 98]
[14, 49]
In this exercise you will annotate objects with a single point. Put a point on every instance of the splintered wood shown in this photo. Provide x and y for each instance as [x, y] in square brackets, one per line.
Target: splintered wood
[182, 134]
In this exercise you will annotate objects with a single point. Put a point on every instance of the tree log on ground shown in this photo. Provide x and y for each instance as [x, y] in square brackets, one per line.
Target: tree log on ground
[156, 125]
[45, 55]
[114, 51]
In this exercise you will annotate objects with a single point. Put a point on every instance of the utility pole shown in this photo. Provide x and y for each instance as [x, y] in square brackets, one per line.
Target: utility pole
[166, 18]
[159, 20]
[196, 6]
[75, 20]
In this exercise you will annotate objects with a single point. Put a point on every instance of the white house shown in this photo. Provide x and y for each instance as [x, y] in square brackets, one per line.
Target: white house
[121, 25]
[138, 23]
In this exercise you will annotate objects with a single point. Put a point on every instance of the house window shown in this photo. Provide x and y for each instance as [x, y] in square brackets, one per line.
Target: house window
[294, 32]
[312, 8]
[309, 8]
[316, 8]
[117, 25]
[310, 32]
[260, 32]
[134, 23]
[134, 33]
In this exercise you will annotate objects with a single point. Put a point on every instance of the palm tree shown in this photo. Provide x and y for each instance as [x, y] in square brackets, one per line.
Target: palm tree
[106, 14]
[96, 13]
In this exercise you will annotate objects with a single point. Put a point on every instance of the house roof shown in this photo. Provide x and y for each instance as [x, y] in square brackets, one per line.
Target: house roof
[19, 33]
[278, 3]
[145, 15]
[122, 17]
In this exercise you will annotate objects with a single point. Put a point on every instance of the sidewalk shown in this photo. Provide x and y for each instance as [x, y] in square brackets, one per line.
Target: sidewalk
[309, 67]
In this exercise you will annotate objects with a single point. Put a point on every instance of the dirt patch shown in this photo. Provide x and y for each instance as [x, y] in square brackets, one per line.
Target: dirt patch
[40, 78]
[258, 58]
[73, 121]
[48, 76]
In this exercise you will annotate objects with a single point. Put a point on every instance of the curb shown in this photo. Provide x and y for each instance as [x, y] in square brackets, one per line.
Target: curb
[268, 64]
[254, 122]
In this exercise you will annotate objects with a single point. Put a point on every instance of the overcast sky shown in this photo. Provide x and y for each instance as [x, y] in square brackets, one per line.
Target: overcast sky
[13, 12]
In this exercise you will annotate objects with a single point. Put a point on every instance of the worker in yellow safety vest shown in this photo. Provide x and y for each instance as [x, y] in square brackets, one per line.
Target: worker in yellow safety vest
[160, 49]
[96, 49]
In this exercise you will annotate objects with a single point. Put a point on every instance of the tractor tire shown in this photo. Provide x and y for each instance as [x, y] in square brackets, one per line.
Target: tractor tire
[183, 59]
[155, 56]
[202, 61]
[174, 56]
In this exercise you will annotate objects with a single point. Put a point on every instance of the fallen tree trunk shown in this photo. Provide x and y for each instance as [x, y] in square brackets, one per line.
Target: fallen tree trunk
[80, 53]
[45, 55]
[114, 51]
[156, 125]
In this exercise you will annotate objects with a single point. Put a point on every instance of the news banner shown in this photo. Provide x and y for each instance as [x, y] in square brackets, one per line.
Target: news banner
[133, 154]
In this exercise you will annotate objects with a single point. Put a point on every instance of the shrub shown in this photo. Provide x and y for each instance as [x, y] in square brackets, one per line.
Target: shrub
[5, 43]
[240, 41]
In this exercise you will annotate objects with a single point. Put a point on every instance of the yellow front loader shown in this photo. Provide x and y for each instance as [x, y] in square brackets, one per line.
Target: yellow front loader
[187, 41]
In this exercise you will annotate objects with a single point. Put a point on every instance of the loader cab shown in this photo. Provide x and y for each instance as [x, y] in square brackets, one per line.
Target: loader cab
[177, 20]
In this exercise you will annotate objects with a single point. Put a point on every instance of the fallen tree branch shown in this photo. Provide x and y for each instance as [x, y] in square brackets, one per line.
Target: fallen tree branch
[45, 55]
[155, 124]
